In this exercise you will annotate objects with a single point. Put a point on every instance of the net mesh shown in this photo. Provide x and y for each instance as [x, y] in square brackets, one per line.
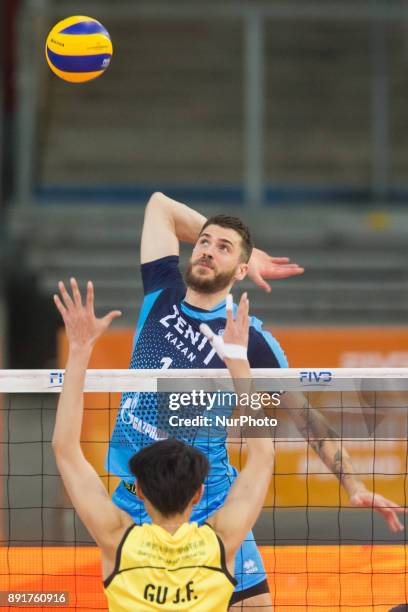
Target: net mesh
[318, 552]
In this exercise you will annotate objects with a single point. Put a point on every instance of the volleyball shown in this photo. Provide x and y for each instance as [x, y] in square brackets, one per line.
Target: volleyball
[78, 49]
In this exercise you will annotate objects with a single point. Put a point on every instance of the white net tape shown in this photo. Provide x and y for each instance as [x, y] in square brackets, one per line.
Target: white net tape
[50, 381]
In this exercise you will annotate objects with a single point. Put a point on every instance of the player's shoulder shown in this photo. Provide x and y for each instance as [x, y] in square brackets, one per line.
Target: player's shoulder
[264, 349]
[162, 273]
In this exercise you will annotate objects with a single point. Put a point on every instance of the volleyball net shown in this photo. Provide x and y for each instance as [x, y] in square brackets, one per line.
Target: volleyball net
[319, 552]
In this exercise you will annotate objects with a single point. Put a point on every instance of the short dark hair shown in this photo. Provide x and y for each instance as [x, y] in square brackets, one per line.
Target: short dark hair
[238, 226]
[169, 472]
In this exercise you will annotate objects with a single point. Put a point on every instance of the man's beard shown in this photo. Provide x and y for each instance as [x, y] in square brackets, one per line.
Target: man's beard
[201, 284]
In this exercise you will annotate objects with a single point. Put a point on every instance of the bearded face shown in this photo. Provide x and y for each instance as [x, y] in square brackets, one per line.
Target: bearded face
[202, 276]
[216, 261]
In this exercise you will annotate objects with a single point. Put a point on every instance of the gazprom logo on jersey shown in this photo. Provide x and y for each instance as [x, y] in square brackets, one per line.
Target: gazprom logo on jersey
[315, 377]
[135, 422]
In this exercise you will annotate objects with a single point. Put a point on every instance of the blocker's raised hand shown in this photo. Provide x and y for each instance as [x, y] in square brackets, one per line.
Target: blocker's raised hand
[236, 332]
[83, 328]
[234, 343]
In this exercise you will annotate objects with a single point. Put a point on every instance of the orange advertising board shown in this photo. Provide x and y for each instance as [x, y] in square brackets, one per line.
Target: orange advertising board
[301, 578]
[300, 478]
[344, 347]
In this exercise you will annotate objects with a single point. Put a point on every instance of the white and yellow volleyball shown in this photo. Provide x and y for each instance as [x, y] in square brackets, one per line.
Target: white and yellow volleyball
[78, 49]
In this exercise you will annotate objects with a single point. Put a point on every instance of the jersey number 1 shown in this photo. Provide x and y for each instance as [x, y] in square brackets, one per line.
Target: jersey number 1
[166, 361]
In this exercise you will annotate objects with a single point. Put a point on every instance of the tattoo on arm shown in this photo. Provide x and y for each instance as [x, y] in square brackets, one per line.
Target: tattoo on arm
[342, 467]
[315, 428]
[322, 438]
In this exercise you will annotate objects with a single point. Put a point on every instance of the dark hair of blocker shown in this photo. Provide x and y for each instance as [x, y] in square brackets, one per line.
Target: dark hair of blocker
[169, 473]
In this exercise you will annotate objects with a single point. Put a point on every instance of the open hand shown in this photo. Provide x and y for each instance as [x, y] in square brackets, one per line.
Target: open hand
[83, 328]
[236, 332]
[233, 343]
[262, 267]
[388, 509]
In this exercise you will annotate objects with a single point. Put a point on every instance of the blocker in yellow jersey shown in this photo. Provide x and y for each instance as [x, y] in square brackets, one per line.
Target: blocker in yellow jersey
[172, 564]
[156, 570]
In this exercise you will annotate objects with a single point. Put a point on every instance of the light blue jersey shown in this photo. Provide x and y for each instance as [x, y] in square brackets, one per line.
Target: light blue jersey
[168, 336]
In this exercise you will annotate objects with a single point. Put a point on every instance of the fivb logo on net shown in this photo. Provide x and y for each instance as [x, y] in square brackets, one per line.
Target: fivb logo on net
[316, 377]
[56, 378]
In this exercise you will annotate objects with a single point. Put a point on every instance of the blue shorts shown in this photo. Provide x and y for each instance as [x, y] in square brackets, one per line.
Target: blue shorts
[249, 569]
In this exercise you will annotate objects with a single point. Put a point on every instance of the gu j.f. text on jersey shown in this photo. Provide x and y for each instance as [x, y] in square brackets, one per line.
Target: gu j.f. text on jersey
[168, 336]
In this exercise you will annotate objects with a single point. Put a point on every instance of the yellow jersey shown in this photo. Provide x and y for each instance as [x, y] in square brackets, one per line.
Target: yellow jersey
[156, 570]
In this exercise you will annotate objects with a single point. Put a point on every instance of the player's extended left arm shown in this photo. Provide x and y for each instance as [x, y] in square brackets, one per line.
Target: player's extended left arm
[84, 487]
[68, 423]
[326, 442]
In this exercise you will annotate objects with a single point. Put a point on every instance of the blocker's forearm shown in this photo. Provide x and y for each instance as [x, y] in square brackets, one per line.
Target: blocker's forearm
[259, 447]
[68, 424]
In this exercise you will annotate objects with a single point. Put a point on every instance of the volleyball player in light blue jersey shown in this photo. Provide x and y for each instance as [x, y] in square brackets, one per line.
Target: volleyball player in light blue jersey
[168, 336]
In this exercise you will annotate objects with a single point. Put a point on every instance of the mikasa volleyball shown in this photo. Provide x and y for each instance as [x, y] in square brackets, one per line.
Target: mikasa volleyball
[78, 49]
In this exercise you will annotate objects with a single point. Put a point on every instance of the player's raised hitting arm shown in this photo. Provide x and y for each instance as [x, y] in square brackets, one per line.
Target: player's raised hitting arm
[247, 495]
[89, 497]
[168, 222]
